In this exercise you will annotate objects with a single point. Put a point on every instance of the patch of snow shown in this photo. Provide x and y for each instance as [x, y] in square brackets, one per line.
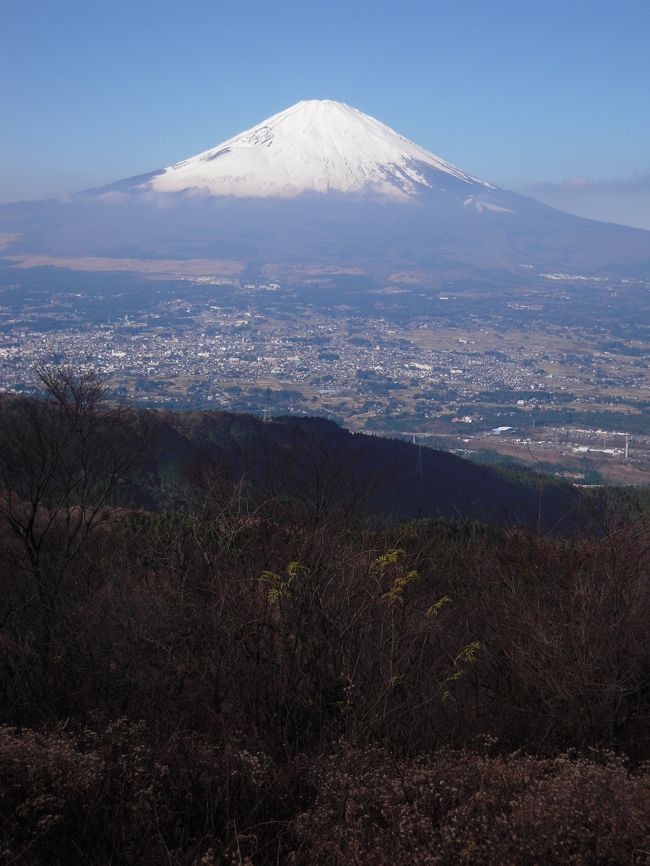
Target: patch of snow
[481, 205]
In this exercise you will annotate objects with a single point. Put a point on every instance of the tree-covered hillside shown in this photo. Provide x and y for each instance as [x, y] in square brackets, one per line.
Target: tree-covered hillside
[254, 669]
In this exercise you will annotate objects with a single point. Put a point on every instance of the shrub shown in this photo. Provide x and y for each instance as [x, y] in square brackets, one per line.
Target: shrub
[464, 808]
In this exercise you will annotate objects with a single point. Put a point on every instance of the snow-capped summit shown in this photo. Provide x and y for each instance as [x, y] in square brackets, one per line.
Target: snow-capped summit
[316, 145]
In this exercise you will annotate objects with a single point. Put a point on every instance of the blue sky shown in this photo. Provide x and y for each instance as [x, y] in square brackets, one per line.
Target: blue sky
[551, 96]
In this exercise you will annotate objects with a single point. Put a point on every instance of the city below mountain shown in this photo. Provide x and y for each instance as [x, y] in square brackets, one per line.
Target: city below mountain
[317, 189]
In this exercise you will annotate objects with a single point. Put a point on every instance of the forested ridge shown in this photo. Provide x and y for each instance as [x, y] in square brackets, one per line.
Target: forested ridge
[221, 644]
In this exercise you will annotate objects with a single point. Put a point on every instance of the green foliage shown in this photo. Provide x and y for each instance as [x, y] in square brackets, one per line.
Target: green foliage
[436, 608]
[391, 557]
[467, 656]
[395, 595]
[462, 660]
[280, 587]
[387, 563]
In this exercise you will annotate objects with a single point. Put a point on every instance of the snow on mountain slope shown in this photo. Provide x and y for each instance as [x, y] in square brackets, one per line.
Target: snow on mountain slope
[316, 145]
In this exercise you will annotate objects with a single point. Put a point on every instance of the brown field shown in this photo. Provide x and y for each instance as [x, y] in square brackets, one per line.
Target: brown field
[152, 267]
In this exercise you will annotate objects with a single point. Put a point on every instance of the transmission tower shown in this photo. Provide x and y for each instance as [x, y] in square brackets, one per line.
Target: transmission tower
[266, 410]
[419, 469]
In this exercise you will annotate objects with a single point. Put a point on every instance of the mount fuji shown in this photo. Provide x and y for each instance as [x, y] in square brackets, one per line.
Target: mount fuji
[319, 188]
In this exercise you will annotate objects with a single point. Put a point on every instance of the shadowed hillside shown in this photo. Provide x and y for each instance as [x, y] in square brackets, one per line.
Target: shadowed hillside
[313, 461]
[252, 672]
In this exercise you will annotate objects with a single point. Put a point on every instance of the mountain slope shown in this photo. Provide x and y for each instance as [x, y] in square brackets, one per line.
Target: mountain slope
[317, 188]
[319, 466]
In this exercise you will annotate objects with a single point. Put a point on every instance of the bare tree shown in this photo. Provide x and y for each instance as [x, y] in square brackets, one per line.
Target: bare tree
[63, 460]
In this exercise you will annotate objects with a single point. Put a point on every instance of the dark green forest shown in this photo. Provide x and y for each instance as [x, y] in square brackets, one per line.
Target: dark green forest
[230, 642]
